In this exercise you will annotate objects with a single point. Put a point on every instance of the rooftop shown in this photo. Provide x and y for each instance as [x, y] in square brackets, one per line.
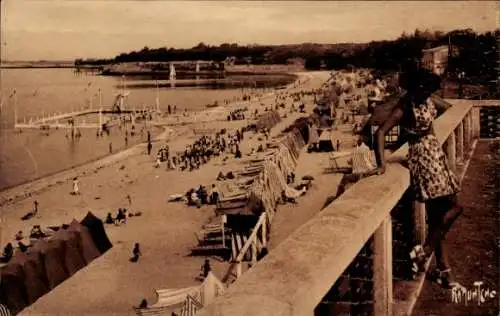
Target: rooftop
[436, 49]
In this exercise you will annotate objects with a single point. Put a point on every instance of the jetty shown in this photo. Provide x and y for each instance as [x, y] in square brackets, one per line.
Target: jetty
[52, 121]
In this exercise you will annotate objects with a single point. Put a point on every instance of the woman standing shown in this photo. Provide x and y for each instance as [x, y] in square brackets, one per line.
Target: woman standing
[76, 190]
[432, 181]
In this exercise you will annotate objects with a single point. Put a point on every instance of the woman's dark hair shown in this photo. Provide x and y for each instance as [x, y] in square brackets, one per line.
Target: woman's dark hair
[420, 81]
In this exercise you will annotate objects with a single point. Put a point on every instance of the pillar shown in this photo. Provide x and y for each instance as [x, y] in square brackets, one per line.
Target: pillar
[475, 122]
[382, 269]
[451, 151]
[460, 141]
[420, 225]
[471, 131]
[467, 132]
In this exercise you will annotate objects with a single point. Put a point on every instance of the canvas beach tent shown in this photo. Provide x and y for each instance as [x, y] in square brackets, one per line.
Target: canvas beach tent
[35, 279]
[86, 244]
[96, 228]
[12, 288]
[185, 301]
[53, 261]
[69, 243]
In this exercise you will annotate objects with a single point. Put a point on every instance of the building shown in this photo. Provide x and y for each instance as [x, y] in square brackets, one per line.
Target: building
[435, 59]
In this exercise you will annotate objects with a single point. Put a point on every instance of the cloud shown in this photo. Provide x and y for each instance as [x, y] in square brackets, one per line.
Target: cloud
[66, 29]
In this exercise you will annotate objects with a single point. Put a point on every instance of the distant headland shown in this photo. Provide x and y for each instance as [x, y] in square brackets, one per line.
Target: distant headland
[6, 64]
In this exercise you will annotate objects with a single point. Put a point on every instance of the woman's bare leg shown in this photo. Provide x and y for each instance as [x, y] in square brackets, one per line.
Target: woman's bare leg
[442, 213]
[434, 233]
[451, 216]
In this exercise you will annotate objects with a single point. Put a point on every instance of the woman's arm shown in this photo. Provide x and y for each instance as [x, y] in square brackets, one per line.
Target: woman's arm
[392, 120]
[440, 104]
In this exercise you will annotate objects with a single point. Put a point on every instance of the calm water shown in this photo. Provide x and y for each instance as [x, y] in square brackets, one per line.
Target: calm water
[32, 154]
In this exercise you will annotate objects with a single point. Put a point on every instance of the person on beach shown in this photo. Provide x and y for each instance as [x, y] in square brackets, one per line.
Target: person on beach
[158, 161]
[206, 268]
[19, 235]
[214, 195]
[76, 190]
[237, 154]
[121, 217]
[35, 209]
[143, 304]
[109, 219]
[136, 253]
[36, 232]
[195, 199]
[110, 148]
[8, 253]
[432, 180]
[150, 147]
[22, 246]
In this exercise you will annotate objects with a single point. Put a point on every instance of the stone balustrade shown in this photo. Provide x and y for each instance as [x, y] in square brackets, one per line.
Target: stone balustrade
[294, 278]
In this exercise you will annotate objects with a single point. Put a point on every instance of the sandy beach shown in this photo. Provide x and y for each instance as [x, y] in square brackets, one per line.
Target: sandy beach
[111, 284]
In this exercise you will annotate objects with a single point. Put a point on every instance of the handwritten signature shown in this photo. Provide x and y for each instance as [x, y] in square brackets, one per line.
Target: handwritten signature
[478, 294]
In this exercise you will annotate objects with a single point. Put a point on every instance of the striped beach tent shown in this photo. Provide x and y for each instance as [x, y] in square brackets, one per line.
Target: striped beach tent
[363, 159]
[4, 311]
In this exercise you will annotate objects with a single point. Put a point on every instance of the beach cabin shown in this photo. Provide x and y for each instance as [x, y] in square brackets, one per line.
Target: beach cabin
[435, 59]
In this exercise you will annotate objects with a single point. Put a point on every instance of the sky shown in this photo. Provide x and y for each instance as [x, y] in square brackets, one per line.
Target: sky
[69, 29]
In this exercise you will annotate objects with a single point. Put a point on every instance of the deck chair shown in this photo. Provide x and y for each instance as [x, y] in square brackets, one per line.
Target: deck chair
[363, 160]
[335, 157]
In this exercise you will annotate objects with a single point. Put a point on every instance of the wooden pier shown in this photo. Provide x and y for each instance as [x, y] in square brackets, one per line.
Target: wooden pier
[53, 121]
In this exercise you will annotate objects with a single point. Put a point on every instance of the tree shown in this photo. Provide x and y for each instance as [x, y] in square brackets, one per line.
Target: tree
[313, 63]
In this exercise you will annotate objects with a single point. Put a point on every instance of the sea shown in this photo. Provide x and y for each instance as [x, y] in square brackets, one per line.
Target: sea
[32, 93]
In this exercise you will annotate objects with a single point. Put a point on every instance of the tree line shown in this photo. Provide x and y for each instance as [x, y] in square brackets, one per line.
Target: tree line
[472, 53]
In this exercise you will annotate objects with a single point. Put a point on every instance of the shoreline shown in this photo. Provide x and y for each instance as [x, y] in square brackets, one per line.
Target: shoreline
[42, 183]
[19, 192]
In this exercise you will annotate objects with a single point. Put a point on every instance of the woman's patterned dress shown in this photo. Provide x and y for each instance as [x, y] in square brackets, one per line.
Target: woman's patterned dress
[430, 175]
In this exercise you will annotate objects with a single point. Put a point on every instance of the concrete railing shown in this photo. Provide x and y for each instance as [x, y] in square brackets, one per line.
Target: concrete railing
[296, 275]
